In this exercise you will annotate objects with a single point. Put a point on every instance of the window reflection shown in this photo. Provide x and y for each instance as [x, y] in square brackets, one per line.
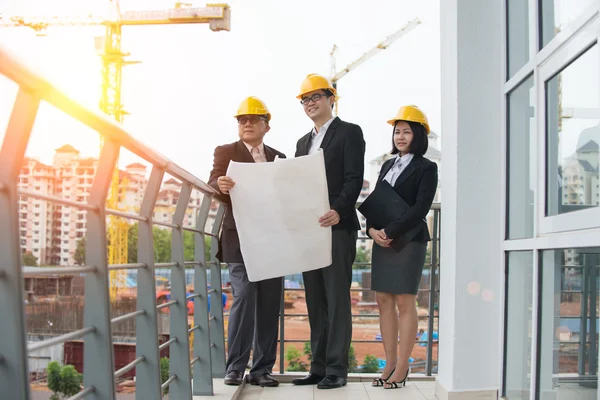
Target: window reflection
[573, 136]
[569, 329]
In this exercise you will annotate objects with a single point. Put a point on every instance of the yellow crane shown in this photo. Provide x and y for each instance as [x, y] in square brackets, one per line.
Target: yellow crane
[218, 16]
[337, 75]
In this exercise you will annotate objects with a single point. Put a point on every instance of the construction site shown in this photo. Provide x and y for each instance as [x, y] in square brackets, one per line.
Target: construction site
[112, 115]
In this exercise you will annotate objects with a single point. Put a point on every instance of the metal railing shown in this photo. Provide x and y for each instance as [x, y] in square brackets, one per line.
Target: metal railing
[432, 292]
[99, 374]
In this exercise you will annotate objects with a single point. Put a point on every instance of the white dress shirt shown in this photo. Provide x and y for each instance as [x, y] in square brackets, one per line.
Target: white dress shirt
[317, 137]
[399, 166]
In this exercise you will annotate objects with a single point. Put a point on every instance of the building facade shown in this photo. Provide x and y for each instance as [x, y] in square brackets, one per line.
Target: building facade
[520, 253]
[51, 232]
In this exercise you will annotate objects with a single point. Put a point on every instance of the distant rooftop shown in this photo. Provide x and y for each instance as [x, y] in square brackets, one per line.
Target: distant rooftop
[136, 165]
[67, 148]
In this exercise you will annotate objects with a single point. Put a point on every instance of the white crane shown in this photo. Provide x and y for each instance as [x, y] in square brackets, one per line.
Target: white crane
[336, 76]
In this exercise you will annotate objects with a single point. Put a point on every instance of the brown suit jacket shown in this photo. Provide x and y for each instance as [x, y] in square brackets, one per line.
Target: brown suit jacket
[229, 243]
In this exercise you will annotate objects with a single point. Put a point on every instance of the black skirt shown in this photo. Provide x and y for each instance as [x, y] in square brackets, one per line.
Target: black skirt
[398, 273]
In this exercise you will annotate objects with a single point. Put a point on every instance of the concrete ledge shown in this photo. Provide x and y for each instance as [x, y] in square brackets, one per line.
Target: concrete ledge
[443, 394]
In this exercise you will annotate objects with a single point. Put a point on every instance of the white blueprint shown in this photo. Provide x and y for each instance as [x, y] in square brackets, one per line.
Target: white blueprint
[277, 206]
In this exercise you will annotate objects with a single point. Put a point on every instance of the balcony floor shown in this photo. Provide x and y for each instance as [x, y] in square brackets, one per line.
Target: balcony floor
[414, 390]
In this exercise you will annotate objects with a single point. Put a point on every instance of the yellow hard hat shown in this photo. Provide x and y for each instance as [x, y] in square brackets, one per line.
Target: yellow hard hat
[253, 106]
[413, 114]
[315, 82]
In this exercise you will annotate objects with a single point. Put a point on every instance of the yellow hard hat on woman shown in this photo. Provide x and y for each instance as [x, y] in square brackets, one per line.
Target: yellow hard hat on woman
[253, 106]
[413, 114]
[314, 82]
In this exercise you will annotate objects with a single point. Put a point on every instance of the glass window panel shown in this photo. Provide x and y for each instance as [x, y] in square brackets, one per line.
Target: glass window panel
[521, 128]
[519, 325]
[518, 34]
[569, 324]
[573, 136]
[555, 14]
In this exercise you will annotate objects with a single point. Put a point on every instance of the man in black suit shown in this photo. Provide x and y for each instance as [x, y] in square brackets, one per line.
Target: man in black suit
[255, 309]
[328, 289]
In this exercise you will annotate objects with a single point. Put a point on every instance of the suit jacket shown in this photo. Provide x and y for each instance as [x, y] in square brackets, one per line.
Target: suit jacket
[229, 244]
[416, 185]
[344, 150]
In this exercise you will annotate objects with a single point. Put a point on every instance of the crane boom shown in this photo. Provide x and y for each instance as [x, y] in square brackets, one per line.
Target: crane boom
[381, 46]
[217, 15]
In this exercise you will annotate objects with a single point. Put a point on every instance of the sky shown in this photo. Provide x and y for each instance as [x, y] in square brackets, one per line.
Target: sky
[183, 95]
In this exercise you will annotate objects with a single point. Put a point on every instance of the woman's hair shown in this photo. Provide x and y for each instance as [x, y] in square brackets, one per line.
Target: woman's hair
[419, 142]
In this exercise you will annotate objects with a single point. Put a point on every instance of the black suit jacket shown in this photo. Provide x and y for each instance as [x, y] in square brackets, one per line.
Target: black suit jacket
[229, 245]
[416, 185]
[344, 150]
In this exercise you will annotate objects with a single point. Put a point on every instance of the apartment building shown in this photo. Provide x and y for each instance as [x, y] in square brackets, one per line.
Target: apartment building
[51, 232]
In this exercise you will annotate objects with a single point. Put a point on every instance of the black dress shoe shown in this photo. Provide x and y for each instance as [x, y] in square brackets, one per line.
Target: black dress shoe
[310, 379]
[265, 380]
[233, 378]
[332, 382]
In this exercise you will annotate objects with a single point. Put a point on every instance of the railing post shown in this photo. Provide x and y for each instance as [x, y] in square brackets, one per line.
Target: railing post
[202, 370]
[217, 327]
[148, 372]
[282, 330]
[433, 265]
[14, 372]
[179, 365]
[98, 346]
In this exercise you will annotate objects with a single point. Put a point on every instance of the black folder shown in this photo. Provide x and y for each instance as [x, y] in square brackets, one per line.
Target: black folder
[383, 206]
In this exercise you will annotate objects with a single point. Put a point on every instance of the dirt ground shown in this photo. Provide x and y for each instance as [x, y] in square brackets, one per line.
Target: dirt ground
[364, 328]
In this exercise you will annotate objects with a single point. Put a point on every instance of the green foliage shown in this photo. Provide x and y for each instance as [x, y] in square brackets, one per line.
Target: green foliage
[64, 381]
[164, 372]
[292, 356]
[29, 259]
[370, 364]
[132, 243]
[307, 351]
[79, 255]
[362, 256]
[352, 362]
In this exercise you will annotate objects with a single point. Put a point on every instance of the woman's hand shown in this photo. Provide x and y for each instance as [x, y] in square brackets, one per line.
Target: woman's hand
[380, 237]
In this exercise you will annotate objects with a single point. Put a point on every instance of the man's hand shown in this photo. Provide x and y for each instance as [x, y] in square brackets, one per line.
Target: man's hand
[225, 184]
[380, 237]
[329, 219]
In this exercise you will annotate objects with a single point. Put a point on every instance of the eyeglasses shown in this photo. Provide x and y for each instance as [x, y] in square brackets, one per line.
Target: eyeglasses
[252, 118]
[315, 97]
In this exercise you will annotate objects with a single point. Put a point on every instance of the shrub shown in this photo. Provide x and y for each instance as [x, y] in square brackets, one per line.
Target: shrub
[370, 364]
[64, 381]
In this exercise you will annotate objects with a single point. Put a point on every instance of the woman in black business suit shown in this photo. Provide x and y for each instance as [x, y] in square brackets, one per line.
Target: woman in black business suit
[396, 275]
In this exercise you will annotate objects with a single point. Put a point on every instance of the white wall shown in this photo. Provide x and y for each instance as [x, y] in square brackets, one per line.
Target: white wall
[472, 272]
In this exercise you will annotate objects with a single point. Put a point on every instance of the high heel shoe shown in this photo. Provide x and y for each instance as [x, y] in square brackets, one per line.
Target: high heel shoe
[378, 382]
[396, 385]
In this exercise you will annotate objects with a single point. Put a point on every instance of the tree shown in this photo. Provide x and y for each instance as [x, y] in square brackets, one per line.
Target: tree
[164, 372]
[188, 245]
[370, 364]
[29, 260]
[162, 244]
[64, 381]
[79, 255]
[362, 256]
[307, 351]
[132, 243]
[352, 363]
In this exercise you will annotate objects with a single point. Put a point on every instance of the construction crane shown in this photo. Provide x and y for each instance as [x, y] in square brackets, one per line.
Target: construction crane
[337, 75]
[218, 16]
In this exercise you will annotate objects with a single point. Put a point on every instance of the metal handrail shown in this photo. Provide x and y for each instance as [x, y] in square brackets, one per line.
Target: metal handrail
[33, 88]
[433, 266]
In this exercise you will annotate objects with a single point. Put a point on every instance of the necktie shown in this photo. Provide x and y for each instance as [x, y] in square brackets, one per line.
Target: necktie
[256, 154]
